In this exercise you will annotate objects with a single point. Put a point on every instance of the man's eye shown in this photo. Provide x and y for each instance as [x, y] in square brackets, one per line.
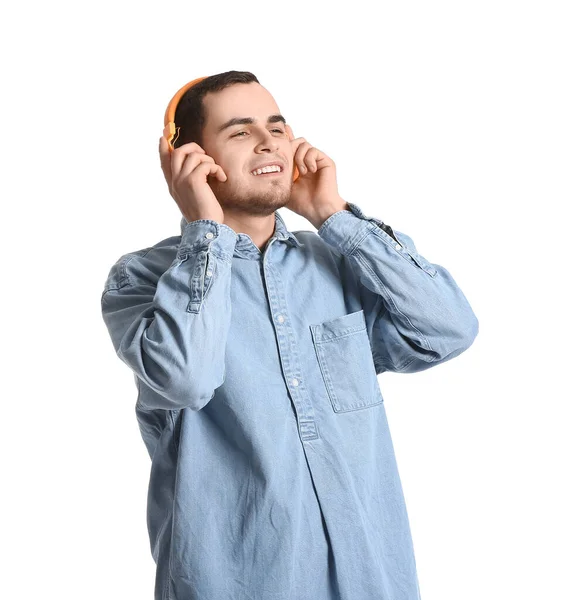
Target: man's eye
[237, 134]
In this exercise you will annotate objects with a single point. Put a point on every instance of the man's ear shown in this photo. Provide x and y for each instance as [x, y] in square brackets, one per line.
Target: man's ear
[289, 131]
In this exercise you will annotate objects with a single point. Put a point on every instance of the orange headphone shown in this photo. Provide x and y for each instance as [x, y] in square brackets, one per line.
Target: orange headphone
[171, 130]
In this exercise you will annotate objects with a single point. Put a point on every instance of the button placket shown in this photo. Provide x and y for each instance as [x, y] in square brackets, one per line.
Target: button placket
[288, 351]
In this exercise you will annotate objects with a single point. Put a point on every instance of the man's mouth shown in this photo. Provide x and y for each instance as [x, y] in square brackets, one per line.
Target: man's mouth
[267, 171]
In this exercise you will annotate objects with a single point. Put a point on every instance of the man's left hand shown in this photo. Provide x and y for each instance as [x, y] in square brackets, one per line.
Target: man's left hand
[315, 193]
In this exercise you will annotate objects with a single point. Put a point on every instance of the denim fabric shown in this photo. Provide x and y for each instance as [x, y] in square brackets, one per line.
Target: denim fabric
[273, 472]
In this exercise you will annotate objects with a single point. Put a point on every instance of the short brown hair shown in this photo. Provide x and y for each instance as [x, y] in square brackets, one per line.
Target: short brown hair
[189, 115]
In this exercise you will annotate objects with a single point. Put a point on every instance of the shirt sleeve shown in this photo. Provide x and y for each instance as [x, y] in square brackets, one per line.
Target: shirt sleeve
[171, 327]
[416, 315]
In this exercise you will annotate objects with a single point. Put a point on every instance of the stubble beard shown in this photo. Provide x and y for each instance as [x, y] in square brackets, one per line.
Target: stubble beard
[261, 199]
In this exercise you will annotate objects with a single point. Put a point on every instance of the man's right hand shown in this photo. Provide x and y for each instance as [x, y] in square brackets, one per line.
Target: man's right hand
[186, 170]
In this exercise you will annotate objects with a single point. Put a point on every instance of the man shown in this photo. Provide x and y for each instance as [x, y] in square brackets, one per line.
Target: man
[255, 352]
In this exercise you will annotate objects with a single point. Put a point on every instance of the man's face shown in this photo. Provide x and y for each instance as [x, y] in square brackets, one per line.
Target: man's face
[241, 148]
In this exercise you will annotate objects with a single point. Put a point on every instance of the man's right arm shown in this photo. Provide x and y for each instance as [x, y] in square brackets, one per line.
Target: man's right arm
[171, 330]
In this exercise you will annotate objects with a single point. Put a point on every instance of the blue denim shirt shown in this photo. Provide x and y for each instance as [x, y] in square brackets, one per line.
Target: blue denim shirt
[273, 471]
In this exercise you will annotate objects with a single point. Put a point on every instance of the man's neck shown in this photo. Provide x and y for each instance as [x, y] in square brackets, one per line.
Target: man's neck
[259, 228]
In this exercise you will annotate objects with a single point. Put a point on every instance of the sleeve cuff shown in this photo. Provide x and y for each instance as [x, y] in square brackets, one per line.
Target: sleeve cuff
[203, 233]
[345, 229]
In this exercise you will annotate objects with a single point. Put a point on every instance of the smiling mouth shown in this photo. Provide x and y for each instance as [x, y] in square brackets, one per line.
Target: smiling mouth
[266, 175]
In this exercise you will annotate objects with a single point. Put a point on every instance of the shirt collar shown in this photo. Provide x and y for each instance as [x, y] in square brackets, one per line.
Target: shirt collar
[281, 231]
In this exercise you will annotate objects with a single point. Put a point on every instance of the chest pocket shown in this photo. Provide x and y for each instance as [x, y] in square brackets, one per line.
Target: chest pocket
[344, 355]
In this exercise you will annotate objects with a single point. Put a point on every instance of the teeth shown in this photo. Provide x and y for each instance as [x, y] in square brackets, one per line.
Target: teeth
[269, 169]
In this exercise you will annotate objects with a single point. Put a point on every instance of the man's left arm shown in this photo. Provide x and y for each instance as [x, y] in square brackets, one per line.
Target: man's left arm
[417, 316]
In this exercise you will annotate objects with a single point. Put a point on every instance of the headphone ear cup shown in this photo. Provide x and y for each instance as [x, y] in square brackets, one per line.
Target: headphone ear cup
[169, 133]
[169, 119]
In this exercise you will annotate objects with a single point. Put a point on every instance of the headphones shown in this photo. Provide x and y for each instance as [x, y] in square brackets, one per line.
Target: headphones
[172, 131]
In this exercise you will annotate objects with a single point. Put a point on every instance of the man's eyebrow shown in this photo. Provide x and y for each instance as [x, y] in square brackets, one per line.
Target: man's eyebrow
[249, 121]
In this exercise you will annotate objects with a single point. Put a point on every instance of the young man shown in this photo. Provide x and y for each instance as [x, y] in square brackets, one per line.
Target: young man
[255, 352]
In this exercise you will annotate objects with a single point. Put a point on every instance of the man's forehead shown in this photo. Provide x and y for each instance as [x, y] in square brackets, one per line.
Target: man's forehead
[241, 100]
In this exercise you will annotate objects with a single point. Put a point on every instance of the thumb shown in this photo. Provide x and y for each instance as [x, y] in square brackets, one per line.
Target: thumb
[165, 159]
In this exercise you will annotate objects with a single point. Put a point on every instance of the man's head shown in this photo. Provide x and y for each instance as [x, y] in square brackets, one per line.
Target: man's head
[206, 114]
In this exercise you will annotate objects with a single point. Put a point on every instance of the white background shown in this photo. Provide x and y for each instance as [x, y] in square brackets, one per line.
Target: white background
[445, 119]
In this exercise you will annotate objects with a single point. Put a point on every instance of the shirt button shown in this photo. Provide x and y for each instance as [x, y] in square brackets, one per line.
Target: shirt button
[209, 272]
[397, 247]
[280, 318]
[209, 235]
[295, 382]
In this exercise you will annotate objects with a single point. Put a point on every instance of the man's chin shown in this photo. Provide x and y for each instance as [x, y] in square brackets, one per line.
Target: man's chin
[254, 203]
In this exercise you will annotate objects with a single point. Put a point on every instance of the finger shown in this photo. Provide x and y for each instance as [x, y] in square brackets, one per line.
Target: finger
[206, 169]
[220, 174]
[299, 157]
[179, 155]
[296, 142]
[193, 160]
[310, 159]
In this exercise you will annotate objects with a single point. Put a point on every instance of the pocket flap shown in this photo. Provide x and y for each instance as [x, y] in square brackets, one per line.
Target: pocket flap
[339, 326]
